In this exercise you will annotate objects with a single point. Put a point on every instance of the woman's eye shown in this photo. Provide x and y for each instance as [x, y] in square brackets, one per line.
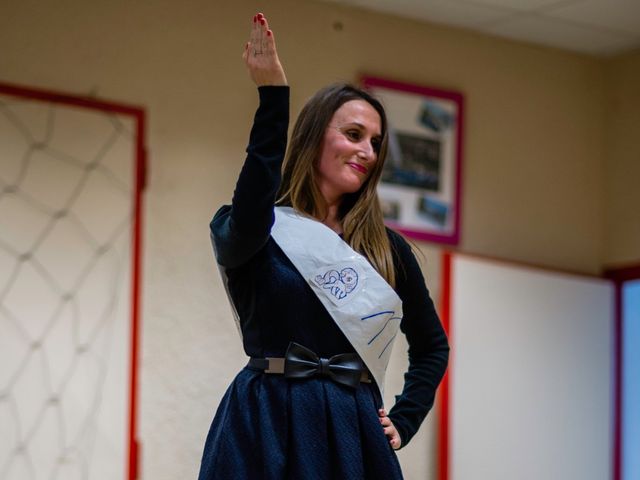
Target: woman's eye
[353, 134]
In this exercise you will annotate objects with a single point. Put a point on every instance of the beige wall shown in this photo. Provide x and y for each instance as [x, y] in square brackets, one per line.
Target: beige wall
[622, 167]
[535, 157]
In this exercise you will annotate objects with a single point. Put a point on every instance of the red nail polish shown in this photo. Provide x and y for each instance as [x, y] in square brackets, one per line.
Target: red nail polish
[260, 15]
[268, 33]
[261, 21]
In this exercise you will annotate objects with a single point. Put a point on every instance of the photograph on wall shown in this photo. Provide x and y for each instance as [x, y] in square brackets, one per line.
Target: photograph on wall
[420, 186]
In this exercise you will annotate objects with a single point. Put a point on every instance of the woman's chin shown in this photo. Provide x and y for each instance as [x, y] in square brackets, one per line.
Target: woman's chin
[354, 183]
[353, 188]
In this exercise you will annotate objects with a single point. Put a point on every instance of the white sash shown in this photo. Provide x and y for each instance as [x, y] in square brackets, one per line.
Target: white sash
[360, 301]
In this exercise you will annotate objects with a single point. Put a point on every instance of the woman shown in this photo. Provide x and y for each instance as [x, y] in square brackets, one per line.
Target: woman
[311, 281]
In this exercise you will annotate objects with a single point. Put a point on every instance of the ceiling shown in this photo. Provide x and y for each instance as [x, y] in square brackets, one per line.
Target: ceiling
[596, 27]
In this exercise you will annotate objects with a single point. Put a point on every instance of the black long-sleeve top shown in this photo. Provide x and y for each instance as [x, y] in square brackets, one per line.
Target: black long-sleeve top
[274, 302]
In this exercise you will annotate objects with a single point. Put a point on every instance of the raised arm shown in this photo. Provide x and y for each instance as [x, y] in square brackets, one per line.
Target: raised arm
[239, 230]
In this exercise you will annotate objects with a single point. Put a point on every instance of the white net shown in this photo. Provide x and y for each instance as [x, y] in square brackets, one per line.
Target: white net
[66, 202]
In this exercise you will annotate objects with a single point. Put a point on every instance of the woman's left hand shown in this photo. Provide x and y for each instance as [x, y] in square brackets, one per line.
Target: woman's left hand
[261, 56]
[389, 430]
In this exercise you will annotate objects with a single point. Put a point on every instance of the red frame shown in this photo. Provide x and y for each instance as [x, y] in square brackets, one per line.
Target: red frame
[458, 99]
[140, 182]
[443, 391]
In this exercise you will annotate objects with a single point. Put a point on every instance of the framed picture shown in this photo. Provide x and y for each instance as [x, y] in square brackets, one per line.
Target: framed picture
[420, 189]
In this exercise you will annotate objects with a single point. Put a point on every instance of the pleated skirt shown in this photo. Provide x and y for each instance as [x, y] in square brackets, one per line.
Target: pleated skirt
[268, 427]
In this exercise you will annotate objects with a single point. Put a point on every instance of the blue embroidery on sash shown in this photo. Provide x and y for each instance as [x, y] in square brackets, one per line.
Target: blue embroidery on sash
[376, 314]
[340, 284]
[387, 312]
[391, 314]
[387, 345]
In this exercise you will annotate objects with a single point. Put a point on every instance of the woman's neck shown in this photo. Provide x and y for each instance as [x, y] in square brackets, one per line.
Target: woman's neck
[332, 218]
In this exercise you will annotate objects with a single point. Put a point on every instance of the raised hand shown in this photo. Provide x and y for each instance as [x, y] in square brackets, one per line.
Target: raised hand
[260, 55]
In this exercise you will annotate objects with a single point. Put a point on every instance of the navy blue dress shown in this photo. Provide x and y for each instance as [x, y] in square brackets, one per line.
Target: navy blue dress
[268, 427]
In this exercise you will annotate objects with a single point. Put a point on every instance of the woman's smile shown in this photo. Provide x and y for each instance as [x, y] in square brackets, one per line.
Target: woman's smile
[358, 167]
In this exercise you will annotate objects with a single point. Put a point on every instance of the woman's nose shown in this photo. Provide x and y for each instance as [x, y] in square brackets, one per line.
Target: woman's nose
[367, 152]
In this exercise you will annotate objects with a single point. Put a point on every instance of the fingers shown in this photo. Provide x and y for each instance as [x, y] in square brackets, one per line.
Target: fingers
[270, 43]
[259, 32]
[254, 36]
[263, 21]
[260, 55]
[245, 54]
[389, 429]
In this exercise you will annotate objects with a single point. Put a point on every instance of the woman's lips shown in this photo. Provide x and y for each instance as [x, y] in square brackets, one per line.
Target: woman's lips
[358, 167]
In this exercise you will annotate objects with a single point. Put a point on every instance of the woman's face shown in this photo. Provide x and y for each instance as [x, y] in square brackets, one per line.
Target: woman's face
[349, 149]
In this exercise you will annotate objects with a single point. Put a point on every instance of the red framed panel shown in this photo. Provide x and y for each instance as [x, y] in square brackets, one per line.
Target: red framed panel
[139, 117]
[444, 399]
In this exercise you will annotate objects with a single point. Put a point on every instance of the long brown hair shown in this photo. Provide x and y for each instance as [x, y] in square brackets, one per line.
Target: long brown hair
[360, 212]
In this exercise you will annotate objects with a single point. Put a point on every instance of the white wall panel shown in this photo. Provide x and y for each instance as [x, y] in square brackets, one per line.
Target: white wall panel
[531, 373]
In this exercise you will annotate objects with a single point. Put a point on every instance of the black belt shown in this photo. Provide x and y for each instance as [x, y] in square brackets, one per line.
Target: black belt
[300, 362]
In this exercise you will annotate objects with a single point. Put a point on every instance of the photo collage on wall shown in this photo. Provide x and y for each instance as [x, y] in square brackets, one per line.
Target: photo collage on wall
[420, 186]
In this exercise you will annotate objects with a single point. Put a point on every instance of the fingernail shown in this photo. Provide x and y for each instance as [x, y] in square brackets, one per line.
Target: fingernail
[260, 15]
[268, 33]
[262, 21]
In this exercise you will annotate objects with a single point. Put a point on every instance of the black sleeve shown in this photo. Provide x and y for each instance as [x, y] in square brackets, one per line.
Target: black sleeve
[239, 230]
[428, 344]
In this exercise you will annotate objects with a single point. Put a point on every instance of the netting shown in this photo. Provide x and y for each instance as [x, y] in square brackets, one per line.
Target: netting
[66, 204]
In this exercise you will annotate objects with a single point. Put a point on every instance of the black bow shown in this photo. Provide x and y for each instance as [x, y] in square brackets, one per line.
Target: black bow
[300, 362]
